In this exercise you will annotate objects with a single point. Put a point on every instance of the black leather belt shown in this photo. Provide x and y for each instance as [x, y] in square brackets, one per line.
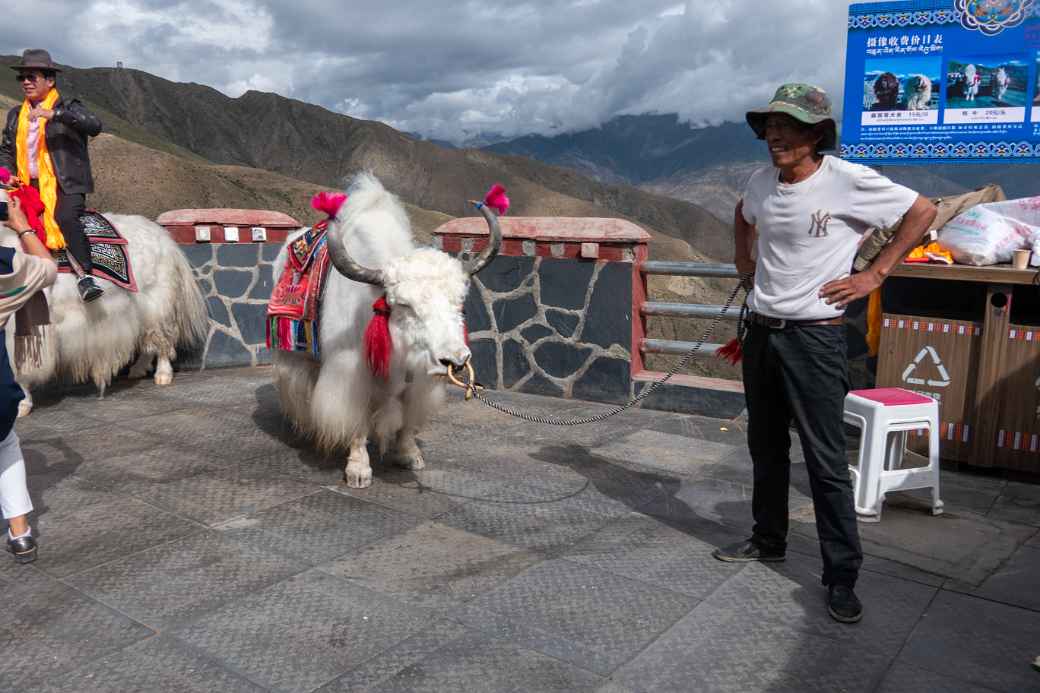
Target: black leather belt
[779, 323]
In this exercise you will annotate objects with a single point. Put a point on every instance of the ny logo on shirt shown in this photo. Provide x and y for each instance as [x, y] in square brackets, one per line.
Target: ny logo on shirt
[818, 226]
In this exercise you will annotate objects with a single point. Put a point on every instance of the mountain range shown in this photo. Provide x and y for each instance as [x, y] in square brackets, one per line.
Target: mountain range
[709, 166]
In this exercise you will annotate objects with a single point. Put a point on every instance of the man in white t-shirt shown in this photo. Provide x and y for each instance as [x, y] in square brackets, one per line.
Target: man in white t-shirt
[806, 215]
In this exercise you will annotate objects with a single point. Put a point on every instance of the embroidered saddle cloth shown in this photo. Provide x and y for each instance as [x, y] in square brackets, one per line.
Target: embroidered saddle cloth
[293, 312]
[107, 250]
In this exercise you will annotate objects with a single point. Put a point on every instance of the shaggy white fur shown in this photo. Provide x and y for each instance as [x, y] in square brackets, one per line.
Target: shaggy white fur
[918, 93]
[93, 341]
[339, 403]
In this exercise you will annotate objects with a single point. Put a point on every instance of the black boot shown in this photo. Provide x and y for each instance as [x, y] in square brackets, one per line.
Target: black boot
[89, 289]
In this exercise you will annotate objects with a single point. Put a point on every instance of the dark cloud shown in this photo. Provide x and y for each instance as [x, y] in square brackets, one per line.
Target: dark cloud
[456, 69]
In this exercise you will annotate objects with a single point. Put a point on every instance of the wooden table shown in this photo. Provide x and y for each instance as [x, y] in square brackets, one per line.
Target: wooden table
[1001, 407]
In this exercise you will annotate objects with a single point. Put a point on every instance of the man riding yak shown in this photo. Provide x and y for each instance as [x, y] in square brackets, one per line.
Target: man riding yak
[45, 144]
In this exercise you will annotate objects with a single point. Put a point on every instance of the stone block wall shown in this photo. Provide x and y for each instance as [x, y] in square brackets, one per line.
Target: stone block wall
[552, 314]
[236, 279]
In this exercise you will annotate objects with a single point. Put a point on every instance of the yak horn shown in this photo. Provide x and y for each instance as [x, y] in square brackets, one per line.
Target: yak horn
[494, 242]
[346, 266]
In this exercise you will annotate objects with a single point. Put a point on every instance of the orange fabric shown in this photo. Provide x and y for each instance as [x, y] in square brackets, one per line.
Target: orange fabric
[45, 174]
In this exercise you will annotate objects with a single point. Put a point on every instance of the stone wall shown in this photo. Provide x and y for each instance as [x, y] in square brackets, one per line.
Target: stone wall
[552, 327]
[236, 279]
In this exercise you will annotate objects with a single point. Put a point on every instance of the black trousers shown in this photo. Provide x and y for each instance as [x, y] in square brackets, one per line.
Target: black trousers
[801, 373]
[67, 213]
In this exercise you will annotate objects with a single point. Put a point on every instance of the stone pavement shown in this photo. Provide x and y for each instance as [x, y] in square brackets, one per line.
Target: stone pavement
[189, 543]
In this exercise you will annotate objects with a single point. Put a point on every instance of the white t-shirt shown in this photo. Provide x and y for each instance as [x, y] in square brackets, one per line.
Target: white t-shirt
[808, 232]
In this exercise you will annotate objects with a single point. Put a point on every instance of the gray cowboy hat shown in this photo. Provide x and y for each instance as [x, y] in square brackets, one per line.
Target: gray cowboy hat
[803, 102]
[36, 59]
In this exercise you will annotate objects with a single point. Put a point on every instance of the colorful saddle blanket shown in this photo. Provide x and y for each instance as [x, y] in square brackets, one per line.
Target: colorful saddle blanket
[293, 311]
[107, 250]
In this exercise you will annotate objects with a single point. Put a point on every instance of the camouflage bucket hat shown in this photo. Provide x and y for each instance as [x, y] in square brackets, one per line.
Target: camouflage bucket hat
[803, 102]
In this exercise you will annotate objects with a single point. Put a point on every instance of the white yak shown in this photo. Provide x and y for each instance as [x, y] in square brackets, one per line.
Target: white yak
[1001, 82]
[971, 82]
[340, 403]
[918, 93]
[92, 342]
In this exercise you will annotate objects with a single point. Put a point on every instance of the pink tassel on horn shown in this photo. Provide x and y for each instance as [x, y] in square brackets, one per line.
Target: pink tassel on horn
[496, 199]
[328, 203]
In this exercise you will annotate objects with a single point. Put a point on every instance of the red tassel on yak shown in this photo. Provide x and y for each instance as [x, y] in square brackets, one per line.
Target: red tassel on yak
[378, 344]
[496, 199]
[5, 175]
[732, 351]
[328, 203]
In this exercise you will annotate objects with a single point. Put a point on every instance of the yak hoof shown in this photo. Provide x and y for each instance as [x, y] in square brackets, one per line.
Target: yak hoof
[163, 379]
[357, 477]
[413, 461]
[24, 408]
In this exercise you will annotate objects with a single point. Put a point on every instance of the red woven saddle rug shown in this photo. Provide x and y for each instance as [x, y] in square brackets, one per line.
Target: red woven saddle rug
[107, 250]
[293, 311]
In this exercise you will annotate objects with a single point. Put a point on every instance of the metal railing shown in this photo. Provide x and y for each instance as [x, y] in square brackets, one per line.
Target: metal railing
[685, 310]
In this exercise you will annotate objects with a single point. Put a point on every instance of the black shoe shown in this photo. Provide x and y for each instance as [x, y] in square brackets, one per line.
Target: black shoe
[843, 604]
[23, 548]
[89, 289]
[745, 552]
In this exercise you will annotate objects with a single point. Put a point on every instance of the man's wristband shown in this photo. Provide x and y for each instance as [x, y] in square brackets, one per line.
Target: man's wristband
[22, 233]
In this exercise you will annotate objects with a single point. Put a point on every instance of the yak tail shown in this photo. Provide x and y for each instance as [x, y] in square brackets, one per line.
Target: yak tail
[190, 316]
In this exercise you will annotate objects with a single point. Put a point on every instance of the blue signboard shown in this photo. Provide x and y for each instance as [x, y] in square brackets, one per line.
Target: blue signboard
[948, 81]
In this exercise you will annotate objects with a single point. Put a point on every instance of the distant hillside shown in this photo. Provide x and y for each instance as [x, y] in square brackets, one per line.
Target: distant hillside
[310, 143]
[709, 166]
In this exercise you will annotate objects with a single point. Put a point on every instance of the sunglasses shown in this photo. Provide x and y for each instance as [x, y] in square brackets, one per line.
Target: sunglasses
[29, 78]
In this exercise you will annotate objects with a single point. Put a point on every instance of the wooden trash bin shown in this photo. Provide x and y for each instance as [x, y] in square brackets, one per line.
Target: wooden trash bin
[974, 345]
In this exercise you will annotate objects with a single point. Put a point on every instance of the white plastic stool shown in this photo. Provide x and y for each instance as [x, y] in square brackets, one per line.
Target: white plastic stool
[884, 416]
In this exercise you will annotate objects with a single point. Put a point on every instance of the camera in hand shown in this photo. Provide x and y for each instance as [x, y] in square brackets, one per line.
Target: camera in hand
[3, 211]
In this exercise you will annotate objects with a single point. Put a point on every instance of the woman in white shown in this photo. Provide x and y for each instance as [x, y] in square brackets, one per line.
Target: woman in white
[23, 274]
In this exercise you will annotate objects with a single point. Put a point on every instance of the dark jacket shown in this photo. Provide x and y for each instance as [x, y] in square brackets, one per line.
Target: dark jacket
[67, 134]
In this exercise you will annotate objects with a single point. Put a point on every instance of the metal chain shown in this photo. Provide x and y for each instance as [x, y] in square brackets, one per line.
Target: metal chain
[683, 363]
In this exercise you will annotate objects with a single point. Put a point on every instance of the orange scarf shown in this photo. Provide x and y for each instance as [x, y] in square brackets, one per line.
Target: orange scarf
[45, 168]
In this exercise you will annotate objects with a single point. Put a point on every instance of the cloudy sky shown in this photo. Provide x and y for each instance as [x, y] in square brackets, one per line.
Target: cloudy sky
[453, 70]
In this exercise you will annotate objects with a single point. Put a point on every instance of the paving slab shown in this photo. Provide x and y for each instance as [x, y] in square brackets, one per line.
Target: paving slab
[977, 642]
[302, 633]
[725, 651]
[906, 678]
[156, 664]
[319, 527]
[1018, 503]
[182, 579]
[476, 662]
[1014, 582]
[433, 565]
[654, 553]
[49, 627]
[601, 619]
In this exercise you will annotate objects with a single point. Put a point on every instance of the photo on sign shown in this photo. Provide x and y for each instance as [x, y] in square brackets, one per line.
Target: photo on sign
[996, 81]
[902, 84]
[901, 91]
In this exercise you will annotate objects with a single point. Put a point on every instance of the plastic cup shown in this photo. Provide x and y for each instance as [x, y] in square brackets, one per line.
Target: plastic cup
[1021, 259]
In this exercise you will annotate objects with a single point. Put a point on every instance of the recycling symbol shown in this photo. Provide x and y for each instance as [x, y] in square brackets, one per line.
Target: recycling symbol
[927, 352]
